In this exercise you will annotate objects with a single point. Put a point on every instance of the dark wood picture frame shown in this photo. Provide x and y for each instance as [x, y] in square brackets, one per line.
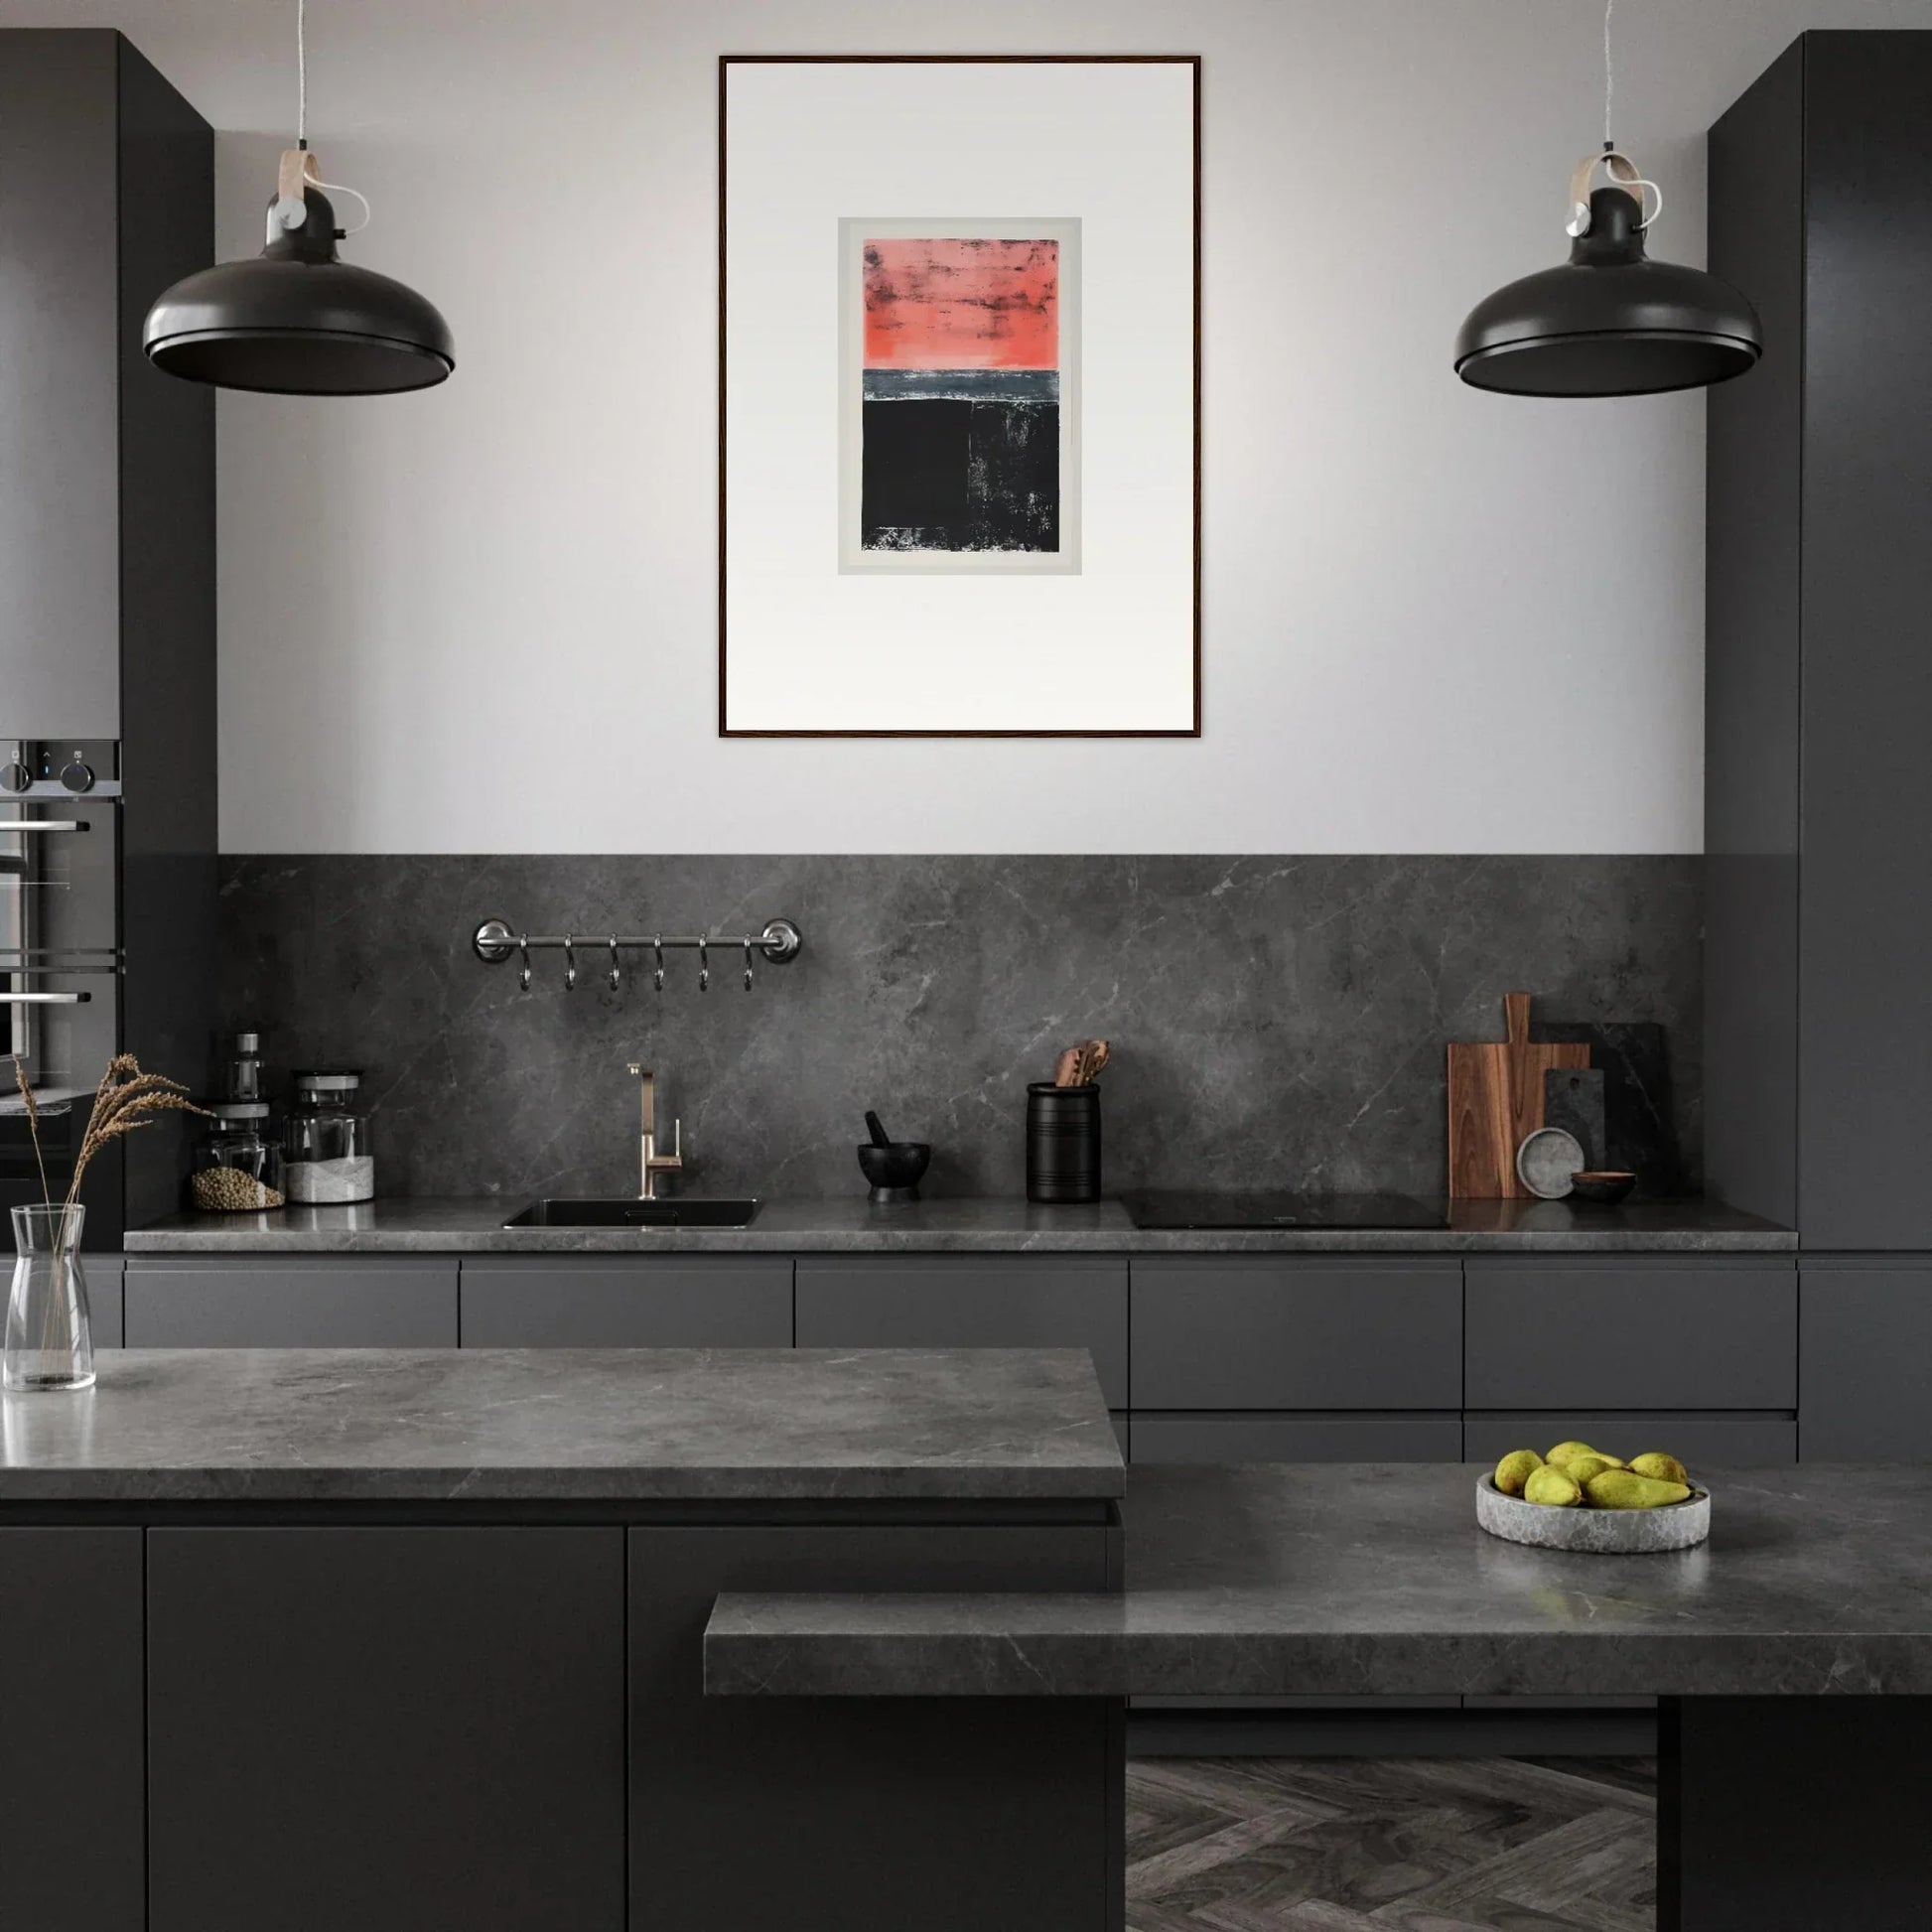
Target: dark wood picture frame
[726, 62]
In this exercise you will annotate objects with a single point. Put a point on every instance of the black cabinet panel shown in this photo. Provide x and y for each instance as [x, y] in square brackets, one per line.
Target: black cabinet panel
[1865, 1333]
[1242, 1438]
[667, 1302]
[827, 1815]
[1233, 1331]
[398, 1302]
[1737, 1441]
[1557, 1333]
[962, 1302]
[71, 1779]
[390, 1730]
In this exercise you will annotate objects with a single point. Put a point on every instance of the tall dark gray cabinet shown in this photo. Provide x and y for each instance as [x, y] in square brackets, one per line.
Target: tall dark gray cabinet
[1818, 1008]
[107, 701]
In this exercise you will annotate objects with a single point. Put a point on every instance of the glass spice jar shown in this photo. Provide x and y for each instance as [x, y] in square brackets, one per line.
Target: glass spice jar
[239, 1164]
[329, 1155]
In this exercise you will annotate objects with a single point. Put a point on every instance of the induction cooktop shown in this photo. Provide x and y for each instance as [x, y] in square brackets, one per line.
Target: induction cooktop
[1157, 1210]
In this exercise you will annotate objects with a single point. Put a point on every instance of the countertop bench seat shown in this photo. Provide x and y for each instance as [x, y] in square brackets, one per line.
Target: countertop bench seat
[1373, 1579]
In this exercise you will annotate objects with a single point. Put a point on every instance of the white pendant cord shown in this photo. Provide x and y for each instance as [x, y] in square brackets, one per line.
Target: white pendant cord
[1610, 74]
[291, 213]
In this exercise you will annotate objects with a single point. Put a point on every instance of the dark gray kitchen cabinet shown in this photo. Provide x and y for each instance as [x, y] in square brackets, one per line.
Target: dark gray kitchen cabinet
[1630, 1333]
[105, 1274]
[1296, 1438]
[320, 1302]
[107, 465]
[71, 1778]
[970, 1301]
[1739, 1440]
[861, 1788]
[1271, 1332]
[395, 1729]
[1818, 792]
[1865, 1336]
[656, 1302]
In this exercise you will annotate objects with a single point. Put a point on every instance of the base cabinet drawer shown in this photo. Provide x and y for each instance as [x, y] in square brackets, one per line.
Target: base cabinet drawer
[1866, 1337]
[402, 1303]
[1719, 1442]
[73, 1780]
[668, 1301]
[1224, 1437]
[387, 1729]
[961, 1301]
[1266, 1333]
[1630, 1333]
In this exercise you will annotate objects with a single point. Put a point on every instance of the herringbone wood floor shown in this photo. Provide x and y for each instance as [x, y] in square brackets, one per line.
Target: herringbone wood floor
[1391, 1845]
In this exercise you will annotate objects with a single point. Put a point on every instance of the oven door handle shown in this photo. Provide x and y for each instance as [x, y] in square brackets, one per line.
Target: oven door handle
[45, 999]
[44, 825]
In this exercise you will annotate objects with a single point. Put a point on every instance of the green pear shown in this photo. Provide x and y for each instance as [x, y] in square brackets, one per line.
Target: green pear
[1549, 1485]
[1665, 1468]
[1622, 1489]
[1515, 1470]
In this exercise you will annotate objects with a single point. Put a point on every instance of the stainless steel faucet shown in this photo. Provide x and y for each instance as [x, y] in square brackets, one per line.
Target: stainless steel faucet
[651, 1163]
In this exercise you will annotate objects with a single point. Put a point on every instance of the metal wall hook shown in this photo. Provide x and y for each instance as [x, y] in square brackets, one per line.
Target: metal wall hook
[748, 965]
[657, 976]
[523, 946]
[570, 963]
[617, 971]
[704, 965]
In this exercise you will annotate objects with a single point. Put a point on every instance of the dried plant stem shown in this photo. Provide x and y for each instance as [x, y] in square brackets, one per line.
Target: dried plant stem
[125, 1100]
[25, 1088]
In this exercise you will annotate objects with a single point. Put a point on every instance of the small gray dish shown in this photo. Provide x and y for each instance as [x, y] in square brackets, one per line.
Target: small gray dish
[1547, 1161]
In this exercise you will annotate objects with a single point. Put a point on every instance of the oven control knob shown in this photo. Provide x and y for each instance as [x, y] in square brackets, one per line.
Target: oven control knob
[77, 776]
[14, 776]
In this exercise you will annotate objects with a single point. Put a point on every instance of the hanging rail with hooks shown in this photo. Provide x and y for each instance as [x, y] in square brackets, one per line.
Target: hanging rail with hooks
[496, 941]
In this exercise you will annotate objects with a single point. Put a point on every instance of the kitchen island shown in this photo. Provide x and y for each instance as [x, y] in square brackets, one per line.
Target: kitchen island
[1793, 1651]
[413, 1639]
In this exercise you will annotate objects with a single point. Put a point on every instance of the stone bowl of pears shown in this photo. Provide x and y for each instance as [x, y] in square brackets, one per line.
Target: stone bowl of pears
[1580, 1498]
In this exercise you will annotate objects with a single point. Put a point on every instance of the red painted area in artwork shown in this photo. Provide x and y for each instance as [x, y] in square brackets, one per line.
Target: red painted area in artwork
[962, 303]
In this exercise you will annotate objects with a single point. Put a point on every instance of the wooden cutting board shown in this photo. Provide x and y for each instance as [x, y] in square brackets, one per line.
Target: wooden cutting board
[1495, 1099]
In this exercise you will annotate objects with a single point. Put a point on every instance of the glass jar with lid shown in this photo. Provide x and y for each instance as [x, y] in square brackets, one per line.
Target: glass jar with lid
[330, 1157]
[239, 1164]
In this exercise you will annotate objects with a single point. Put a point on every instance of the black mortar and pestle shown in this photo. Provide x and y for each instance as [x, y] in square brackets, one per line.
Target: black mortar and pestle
[892, 1167]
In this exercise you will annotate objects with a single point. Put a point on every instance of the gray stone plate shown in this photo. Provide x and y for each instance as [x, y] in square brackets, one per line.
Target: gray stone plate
[1597, 1532]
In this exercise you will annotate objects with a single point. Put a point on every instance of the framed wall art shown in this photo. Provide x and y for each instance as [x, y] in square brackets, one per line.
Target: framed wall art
[959, 396]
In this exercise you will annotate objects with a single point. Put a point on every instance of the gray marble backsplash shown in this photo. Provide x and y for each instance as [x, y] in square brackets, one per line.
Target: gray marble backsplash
[1276, 1021]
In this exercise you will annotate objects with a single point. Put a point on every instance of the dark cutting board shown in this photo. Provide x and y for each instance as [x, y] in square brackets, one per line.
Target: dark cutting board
[1573, 1099]
[1639, 1118]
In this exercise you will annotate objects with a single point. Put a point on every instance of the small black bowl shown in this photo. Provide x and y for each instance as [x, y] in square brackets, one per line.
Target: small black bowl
[894, 1169]
[1605, 1186]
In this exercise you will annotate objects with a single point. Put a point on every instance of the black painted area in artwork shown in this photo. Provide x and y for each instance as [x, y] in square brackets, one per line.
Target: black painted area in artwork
[955, 475]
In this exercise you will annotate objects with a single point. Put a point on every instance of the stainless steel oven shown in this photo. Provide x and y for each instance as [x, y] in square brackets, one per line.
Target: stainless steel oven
[61, 954]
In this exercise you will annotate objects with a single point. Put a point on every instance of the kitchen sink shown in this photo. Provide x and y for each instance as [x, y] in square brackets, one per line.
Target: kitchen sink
[621, 1213]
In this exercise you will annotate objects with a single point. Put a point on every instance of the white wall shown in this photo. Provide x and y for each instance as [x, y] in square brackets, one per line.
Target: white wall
[484, 619]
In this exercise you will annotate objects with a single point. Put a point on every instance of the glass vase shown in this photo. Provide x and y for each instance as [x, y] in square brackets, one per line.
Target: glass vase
[49, 1338]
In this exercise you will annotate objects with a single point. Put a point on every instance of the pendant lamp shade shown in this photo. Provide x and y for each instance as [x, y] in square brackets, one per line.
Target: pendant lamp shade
[299, 320]
[1609, 322]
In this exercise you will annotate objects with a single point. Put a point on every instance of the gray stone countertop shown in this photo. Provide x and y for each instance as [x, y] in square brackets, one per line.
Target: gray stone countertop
[565, 1425]
[959, 1226]
[1373, 1579]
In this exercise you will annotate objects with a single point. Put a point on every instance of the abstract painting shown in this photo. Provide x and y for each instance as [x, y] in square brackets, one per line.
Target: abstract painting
[959, 395]
[961, 437]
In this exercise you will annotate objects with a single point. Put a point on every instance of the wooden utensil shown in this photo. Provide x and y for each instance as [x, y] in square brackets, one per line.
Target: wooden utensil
[1495, 1100]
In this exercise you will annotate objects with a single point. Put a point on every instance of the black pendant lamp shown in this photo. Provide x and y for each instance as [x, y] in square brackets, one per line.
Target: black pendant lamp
[298, 319]
[1609, 322]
